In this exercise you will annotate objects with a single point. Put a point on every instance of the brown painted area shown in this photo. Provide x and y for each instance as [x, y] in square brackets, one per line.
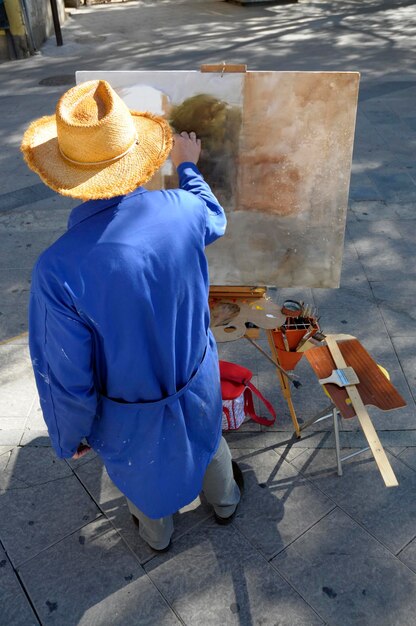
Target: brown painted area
[275, 189]
[296, 145]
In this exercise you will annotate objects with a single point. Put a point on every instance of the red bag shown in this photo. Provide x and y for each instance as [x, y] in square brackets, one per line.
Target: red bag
[237, 395]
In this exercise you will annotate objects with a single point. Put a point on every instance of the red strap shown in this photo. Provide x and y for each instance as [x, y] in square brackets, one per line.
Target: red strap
[227, 416]
[249, 406]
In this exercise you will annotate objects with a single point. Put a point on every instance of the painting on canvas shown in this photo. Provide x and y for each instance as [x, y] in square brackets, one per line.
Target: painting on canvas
[277, 149]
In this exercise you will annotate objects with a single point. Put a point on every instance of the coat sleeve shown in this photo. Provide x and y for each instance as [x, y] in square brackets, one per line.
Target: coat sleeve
[190, 179]
[61, 352]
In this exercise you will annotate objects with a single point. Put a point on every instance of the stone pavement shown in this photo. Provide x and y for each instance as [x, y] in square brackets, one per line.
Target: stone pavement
[306, 547]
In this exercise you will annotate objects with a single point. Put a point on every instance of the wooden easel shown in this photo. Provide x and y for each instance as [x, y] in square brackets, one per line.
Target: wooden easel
[249, 294]
[242, 295]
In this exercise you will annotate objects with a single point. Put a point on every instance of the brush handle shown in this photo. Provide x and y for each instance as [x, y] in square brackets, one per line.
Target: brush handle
[331, 379]
[292, 377]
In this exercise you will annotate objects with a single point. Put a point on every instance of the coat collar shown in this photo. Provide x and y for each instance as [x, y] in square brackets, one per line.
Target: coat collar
[92, 207]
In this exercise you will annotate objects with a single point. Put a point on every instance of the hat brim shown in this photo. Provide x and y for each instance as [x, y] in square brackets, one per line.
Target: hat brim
[92, 182]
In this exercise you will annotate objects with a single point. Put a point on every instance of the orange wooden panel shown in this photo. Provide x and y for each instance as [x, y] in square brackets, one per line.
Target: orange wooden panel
[374, 388]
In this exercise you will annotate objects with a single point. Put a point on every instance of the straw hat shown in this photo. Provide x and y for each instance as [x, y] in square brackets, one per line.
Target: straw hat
[95, 147]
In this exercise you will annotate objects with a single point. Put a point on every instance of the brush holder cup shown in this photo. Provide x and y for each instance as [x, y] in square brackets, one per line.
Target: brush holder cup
[295, 329]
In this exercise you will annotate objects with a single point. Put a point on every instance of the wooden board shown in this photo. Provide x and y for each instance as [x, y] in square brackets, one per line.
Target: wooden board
[366, 424]
[374, 388]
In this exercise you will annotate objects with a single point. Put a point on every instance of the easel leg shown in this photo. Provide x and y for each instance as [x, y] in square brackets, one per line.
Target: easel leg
[284, 384]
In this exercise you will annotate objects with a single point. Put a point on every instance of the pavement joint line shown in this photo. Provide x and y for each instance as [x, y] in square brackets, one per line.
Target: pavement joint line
[20, 582]
[54, 543]
[276, 569]
[405, 546]
[335, 506]
[33, 486]
[160, 592]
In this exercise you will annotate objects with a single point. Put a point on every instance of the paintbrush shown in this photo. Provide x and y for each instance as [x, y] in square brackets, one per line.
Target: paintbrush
[292, 377]
[285, 341]
[341, 377]
[305, 337]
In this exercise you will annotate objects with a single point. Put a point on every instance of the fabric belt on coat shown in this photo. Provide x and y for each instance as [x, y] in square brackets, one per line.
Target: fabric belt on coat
[108, 402]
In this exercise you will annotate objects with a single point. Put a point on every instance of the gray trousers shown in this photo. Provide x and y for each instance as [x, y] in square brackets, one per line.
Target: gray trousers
[220, 490]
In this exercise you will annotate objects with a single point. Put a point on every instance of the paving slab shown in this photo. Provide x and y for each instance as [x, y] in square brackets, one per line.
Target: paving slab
[13, 323]
[351, 321]
[106, 584]
[402, 289]
[396, 450]
[15, 607]
[407, 229]
[29, 467]
[349, 298]
[372, 210]
[394, 186]
[15, 286]
[404, 347]
[390, 438]
[35, 421]
[399, 320]
[17, 394]
[387, 265]
[408, 555]
[5, 450]
[12, 423]
[11, 437]
[224, 580]
[341, 571]
[41, 502]
[42, 215]
[376, 235]
[408, 456]
[361, 493]
[35, 438]
[19, 197]
[21, 249]
[353, 275]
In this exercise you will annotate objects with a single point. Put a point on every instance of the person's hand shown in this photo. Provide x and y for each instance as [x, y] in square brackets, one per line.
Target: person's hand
[82, 450]
[186, 148]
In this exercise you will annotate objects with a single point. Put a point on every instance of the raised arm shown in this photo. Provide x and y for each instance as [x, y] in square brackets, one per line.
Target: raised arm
[185, 154]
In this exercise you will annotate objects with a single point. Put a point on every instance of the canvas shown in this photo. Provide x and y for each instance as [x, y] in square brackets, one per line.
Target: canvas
[277, 151]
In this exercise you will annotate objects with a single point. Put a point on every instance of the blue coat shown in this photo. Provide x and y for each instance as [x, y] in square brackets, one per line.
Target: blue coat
[120, 342]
